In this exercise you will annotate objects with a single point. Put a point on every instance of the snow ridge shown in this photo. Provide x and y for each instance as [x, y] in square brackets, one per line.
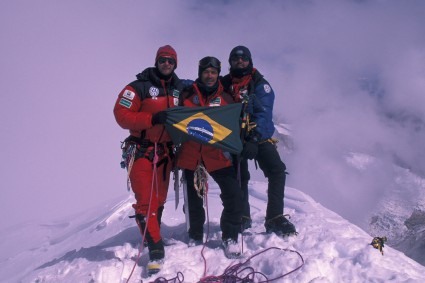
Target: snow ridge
[103, 245]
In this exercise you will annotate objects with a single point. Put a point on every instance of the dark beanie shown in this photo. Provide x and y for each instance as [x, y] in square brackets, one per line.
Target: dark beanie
[240, 51]
[207, 62]
[166, 51]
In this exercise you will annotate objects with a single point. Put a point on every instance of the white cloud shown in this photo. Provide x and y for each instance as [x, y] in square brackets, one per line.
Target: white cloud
[68, 61]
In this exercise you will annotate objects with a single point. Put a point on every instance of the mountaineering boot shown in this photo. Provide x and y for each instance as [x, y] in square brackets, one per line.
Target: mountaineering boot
[280, 226]
[156, 250]
[231, 248]
[194, 242]
[196, 237]
[154, 266]
[246, 223]
[156, 256]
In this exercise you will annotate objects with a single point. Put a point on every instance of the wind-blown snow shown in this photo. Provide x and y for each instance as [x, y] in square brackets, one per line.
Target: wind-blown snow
[101, 246]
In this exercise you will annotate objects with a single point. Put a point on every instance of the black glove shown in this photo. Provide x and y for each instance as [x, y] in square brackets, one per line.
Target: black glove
[159, 118]
[250, 150]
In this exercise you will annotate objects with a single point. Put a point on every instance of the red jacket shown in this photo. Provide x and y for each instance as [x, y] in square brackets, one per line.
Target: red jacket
[139, 100]
[192, 153]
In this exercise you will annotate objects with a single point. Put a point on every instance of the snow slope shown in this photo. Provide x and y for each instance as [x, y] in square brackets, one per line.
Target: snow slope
[400, 215]
[101, 246]
[391, 187]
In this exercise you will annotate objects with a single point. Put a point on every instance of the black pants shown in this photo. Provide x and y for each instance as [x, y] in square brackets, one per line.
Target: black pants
[275, 171]
[195, 207]
[244, 179]
[231, 197]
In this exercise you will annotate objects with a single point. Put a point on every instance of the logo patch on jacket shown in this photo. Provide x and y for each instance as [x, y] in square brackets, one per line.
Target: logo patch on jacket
[126, 103]
[195, 100]
[267, 88]
[128, 94]
[154, 92]
[176, 93]
[216, 101]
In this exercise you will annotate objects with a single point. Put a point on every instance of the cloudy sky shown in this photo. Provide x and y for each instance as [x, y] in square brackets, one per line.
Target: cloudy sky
[349, 76]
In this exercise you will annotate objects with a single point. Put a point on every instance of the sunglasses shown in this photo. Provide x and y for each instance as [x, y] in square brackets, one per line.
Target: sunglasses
[170, 61]
[243, 57]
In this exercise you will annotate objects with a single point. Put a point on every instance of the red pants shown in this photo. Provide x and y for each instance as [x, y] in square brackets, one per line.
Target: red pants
[150, 195]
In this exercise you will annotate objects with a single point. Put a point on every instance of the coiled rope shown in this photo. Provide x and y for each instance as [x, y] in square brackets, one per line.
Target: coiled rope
[200, 180]
[233, 273]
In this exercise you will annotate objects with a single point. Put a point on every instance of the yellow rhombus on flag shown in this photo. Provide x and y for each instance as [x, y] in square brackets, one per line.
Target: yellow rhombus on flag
[218, 134]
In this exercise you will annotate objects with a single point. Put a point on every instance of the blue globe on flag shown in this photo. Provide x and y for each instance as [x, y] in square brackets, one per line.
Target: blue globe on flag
[200, 129]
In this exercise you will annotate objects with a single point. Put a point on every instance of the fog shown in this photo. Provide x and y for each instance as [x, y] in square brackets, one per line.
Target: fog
[349, 76]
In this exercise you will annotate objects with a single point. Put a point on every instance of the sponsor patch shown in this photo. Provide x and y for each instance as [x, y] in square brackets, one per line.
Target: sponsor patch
[126, 103]
[195, 100]
[129, 94]
[176, 93]
[216, 102]
[267, 88]
[154, 92]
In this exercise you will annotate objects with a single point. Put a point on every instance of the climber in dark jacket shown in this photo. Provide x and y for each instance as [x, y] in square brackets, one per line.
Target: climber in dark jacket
[248, 86]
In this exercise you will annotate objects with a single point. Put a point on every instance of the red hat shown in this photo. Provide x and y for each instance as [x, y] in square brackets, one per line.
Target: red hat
[166, 51]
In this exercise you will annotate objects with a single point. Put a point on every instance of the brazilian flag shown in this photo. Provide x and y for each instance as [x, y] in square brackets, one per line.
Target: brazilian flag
[216, 126]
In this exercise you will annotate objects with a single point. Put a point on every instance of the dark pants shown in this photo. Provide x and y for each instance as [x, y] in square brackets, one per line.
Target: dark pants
[231, 197]
[275, 171]
[196, 208]
[244, 179]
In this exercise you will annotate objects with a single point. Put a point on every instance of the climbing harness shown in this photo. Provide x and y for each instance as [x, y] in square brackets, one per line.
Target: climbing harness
[270, 140]
[378, 243]
[274, 142]
[134, 148]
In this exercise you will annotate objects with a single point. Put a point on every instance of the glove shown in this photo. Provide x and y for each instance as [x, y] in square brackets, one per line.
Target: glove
[250, 150]
[159, 118]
